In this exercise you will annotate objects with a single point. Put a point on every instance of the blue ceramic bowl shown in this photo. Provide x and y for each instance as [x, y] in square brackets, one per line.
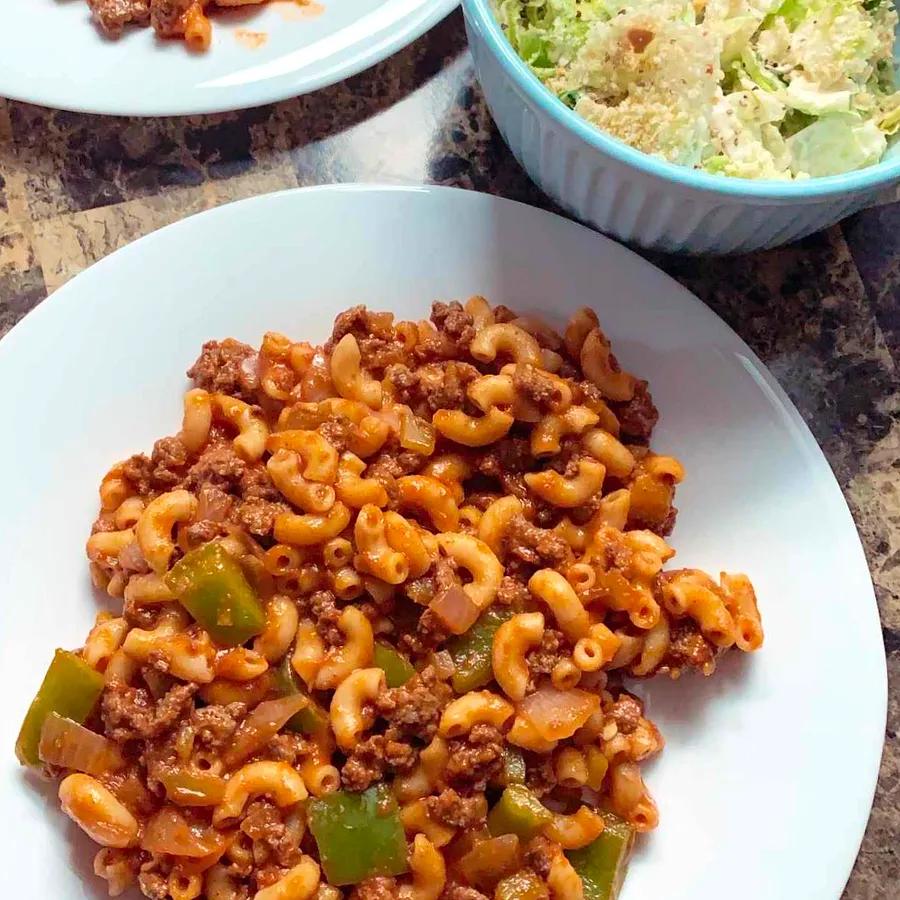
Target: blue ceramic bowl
[640, 198]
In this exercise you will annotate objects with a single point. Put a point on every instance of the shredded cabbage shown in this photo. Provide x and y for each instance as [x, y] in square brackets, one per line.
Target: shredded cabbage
[776, 89]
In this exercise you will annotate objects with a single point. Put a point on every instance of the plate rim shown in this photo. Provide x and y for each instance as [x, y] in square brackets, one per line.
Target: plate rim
[20, 332]
[286, 87]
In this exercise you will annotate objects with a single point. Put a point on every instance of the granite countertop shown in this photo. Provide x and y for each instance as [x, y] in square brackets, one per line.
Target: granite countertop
[824, 314]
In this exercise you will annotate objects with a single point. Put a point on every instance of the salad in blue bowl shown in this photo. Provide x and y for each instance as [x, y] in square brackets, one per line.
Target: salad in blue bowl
[756, 89]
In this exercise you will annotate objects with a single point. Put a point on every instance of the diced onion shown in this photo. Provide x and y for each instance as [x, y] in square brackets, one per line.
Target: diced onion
[490, 861]
[442, 663]
[416, 434]
[266, 720]
[213, 505]
[168, 831]
[390, 413]
[67, 744]
[455, 609]
[557, 715]
[316, 382]
[132, 560]
[250, 368]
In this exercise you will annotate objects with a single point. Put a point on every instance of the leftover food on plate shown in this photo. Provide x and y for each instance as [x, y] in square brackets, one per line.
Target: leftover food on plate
[377, 601]
[186, 20]
[775, 89]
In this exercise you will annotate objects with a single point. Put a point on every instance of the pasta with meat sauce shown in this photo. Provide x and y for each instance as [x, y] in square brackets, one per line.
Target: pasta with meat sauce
[378, 599]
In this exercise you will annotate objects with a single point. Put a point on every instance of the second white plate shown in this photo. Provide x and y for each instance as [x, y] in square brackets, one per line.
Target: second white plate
[765, 783]
[52, 55]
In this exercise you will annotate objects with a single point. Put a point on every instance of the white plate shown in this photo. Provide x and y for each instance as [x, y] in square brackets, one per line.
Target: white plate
[51, 54]
[765, 784]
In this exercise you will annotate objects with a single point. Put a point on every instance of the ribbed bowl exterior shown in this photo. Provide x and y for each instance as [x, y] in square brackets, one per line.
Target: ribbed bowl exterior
[637, 206]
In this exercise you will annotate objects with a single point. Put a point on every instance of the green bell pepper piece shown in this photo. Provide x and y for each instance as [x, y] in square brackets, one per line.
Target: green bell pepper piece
[471, 652]
[312, 718]
[518, 811]
[602, 863]
[521, 886]
[211, 586]
[70, 688]
[513, 766]
[358, 835]
[397, 668]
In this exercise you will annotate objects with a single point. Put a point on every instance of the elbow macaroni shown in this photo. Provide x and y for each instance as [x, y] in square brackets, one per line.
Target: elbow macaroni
[404, 480]
[511, 642]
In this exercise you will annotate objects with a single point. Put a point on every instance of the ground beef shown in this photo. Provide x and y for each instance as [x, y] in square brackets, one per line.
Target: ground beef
[130, 713]
[540, 774]
[438, 385]
[627, 713]
[322, 608]
[532, 384]
[539, 855]
[167, 19]
[454, 891]
[638, 416]
[223, 367]
[507, 457]
[258, 516]
[391, 463]
[113, 15]
[168, 461]
[664, 528]
[452, 320]
[514, 483]
[377, 888]
[219, 476]
[218, 466]
[536, 546]
[404, 381]
[457, 811]
[372, 758]
[272, 840]
[361, 323]
[688, 647]
[255, 483]
[374, 332]
[286, 747]
[138, 470]
[503, 313]
[364, 765]
[338, 431]
[214, 726]
[429, 633]
[138, 616]
[460, 892]
[513, 592]
[567, 460]
[475, 759]
[414, 709]
[204, 531]
[553, 648]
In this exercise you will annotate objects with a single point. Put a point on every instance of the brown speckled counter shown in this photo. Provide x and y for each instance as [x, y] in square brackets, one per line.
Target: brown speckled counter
[824, 314]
